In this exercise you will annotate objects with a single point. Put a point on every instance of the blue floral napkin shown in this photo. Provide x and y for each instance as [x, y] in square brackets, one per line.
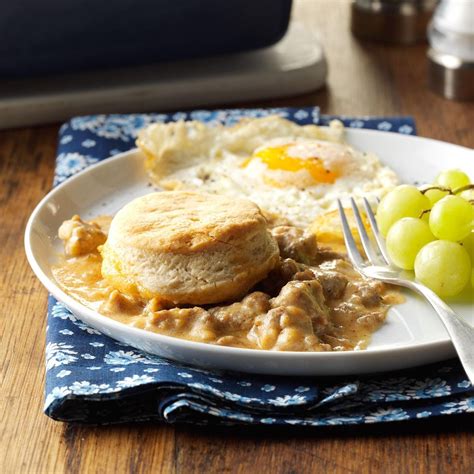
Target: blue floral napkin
[93, 379]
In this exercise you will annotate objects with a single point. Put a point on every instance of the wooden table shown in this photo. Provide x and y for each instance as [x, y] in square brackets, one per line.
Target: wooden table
[363, 79]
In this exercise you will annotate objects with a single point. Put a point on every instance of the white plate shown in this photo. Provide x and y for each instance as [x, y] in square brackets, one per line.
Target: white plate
[411, 336]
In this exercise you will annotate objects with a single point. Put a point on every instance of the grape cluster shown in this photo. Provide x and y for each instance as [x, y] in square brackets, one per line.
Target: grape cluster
[431, 231]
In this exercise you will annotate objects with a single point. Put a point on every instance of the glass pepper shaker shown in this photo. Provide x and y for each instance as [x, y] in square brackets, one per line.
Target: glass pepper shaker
[451, 53]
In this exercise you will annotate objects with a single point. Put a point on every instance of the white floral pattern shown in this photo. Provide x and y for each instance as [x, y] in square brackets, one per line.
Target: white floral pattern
[461, 406]
[122, 358]
[429, 388]
[87, 388]
[96, 344]
[88, 143]
[68, 164]
[61, 312]
[84, 366]
[288, 400]
[63, 373]
[58, 354]
[185, 375]
[121, 127]
[385, 126]
[302, 389]
[406, 129]
[56, 393]
[134, 380]
[387, 414]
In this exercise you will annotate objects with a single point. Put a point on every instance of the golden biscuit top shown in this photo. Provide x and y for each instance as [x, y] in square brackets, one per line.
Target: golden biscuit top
[184, 222]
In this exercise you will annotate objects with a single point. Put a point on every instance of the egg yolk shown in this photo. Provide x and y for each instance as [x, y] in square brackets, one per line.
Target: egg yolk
[277, 158]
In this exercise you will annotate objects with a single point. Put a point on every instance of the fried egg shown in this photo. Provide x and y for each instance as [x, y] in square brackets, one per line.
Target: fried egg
[296, 172]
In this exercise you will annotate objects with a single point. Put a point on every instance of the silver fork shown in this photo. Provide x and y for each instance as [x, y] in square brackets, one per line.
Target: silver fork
[378, 266]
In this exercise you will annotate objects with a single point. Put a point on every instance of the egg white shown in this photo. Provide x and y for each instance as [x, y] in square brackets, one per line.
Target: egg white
[220, 160]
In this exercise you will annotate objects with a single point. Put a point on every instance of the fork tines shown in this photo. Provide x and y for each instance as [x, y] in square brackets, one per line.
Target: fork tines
[375, 251]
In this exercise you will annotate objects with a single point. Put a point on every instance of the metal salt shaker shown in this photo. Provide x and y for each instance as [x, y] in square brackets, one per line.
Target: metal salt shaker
[451, 53]
[391, 21]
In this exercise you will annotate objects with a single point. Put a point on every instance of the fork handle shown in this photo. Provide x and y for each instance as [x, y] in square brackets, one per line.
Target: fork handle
[461, 333]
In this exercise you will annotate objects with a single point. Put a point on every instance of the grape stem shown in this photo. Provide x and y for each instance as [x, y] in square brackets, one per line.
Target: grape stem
[426, 211]
[439, 188]
[446, 190]
[463, 188]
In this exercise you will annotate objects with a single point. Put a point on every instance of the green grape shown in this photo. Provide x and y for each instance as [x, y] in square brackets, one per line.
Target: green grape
[451, 218]
[472, 277]
[403, 201]
[444, 267]
[452, 179]
[468, 194]
[405, 239]
[425, 217]
[434, 195]
[468, 244]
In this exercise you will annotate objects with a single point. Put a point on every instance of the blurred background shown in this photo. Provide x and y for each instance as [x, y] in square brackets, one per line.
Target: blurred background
[61, 59]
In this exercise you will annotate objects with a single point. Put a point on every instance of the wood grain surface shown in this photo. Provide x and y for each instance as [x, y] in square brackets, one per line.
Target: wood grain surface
[363, 79]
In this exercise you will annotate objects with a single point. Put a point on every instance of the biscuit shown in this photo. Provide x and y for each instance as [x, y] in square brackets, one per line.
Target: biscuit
[188, 248]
